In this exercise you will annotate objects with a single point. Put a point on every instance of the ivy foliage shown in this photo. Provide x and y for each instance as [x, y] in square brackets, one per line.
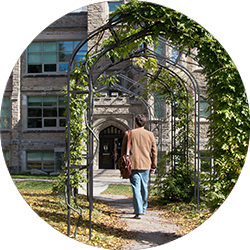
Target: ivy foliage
[143, 22]
[78, 133]
[177, 182]
[229, 119]
[78, 129]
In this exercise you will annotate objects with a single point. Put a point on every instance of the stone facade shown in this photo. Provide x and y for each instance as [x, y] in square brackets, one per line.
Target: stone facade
[24, 144]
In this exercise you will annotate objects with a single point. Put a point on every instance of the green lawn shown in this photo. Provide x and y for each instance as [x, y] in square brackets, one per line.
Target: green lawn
[118, 190]
[108, 231]
[33, 185]
[29, 176]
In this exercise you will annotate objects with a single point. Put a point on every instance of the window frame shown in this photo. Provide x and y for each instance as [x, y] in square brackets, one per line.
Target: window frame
[43, 161]
[57, 159]
[159, 106]
[206, 163]
[42, 117]
[43, 52]
[204, 111]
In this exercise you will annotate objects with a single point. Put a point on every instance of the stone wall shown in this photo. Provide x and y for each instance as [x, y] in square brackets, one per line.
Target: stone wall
[21, 139]
[11, 137]
[116, 110]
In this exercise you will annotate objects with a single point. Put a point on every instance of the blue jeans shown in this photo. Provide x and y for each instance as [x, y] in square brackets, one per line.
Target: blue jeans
[139, 181]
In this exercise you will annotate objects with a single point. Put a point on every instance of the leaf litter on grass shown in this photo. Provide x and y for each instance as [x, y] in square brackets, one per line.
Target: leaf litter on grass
[108, 231]
[181, 214]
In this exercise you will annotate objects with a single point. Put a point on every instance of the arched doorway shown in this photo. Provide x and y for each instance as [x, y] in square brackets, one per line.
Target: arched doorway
[110, 147]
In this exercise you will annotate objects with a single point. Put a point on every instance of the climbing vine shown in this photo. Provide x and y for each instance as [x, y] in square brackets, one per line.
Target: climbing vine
[142, 23]
[78, 105]
[175, 173]
[78, 132]
[230, 123]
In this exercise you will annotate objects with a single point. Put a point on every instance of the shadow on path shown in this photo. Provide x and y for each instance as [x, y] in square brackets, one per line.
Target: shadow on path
[150, 231]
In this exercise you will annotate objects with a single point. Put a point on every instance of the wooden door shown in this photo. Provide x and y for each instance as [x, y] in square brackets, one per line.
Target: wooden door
[106, 154]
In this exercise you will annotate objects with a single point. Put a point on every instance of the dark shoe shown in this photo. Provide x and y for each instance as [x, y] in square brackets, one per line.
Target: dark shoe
[137, 216]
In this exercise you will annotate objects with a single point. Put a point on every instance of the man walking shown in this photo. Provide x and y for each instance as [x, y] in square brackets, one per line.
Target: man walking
[143, 155]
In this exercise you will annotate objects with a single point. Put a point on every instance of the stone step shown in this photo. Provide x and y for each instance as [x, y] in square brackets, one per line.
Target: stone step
[106, 173]
[109, 173]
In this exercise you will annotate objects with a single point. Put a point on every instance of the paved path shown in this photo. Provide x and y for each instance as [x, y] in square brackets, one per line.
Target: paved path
[151, 230]
[101, 183]
[32, 179]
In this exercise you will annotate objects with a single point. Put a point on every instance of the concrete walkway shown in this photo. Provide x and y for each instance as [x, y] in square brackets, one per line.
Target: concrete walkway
[101, 183]
[150, 231]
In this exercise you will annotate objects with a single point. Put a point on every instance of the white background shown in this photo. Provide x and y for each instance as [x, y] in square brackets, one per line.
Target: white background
[21, 22]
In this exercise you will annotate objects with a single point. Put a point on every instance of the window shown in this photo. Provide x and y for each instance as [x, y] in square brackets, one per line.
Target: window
[46, 112]
[174, 54]
[205, 160]
[59, 154]
[111, 131]
[52, 57]
[40, 160]
[48, 161]
[113, 5]
[204, 112]
[159, 105]
[5, 113]
[159, 49]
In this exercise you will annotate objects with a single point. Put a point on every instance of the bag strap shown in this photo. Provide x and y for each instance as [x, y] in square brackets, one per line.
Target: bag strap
[128, 143]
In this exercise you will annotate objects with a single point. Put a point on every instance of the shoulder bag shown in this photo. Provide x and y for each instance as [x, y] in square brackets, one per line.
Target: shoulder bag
[124, 163]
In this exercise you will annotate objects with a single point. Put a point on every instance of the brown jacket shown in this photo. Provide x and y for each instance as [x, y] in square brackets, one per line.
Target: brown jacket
[143, 151]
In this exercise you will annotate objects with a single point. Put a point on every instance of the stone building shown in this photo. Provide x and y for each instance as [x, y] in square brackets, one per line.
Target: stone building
[32, 120]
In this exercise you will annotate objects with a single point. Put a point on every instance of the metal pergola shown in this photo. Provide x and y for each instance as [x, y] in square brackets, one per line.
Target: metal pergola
[105, 67]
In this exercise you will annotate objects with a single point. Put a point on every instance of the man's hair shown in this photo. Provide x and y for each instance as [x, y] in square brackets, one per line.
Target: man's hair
[140, 120]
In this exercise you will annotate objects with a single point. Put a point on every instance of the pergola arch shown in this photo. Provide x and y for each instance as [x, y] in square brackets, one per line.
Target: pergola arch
[94, 68]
